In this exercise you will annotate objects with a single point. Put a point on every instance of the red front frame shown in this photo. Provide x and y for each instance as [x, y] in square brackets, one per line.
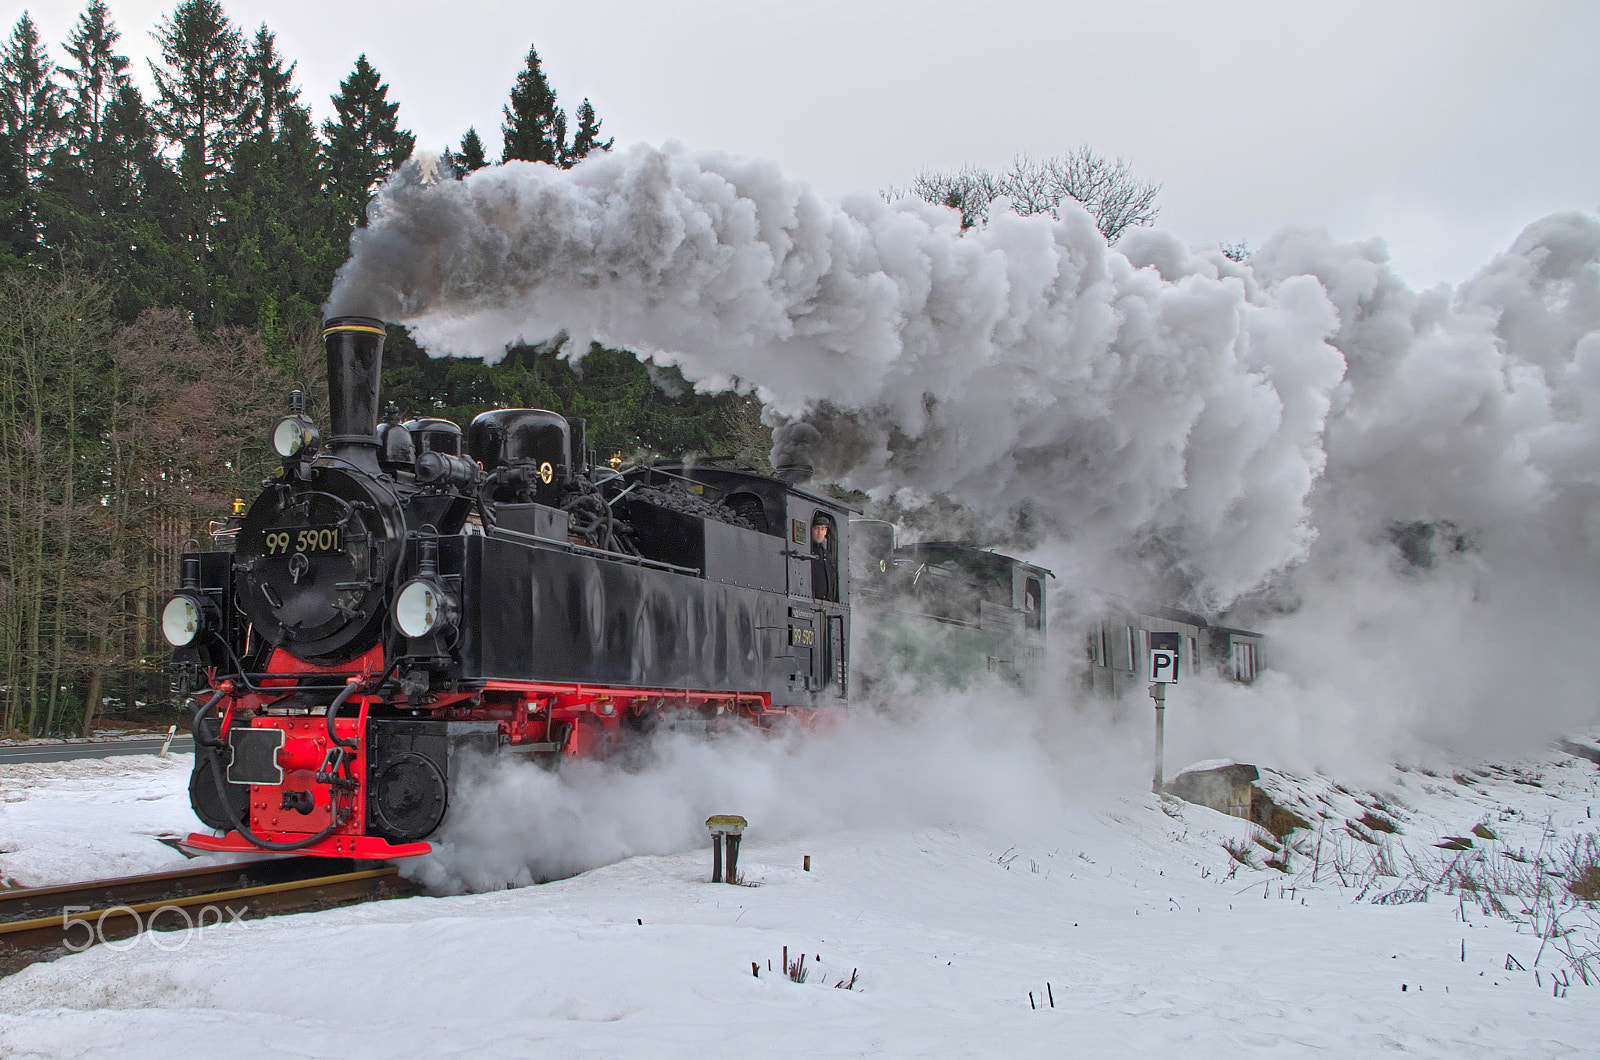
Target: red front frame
[568, 719]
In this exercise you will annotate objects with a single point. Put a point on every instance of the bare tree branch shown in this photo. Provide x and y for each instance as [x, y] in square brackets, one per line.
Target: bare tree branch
[1107, 188]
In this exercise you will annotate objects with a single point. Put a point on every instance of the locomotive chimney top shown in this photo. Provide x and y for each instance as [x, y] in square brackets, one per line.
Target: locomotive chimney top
[793, 449]
[355, 364]
[795, 474]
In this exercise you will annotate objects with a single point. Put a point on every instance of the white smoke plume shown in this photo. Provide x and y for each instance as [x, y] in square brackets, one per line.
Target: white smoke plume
[1020, 362]
[1403, 487]
[984, 759]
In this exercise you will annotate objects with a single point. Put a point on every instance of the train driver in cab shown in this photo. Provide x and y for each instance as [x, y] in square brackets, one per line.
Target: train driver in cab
[824, 571]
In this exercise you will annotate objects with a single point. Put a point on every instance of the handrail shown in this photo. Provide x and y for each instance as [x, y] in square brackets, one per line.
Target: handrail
[568, 546]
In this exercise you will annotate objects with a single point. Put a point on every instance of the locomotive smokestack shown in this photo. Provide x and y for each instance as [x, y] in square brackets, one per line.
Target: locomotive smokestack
[792, 448]
[355, 362]
[795, 474]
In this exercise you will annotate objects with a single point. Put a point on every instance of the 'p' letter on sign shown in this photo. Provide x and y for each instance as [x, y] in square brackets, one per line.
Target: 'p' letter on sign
[1163, 666]
[1164, 658]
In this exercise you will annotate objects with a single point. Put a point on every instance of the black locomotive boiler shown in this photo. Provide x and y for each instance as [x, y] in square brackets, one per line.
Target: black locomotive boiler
[402, 596]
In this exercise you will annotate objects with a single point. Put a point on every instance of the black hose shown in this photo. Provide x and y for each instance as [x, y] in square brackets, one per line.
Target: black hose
[333, 710]
[194, 726]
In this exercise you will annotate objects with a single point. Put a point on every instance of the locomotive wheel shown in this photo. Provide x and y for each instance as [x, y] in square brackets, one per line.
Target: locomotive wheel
[409, 796]
[213, 813]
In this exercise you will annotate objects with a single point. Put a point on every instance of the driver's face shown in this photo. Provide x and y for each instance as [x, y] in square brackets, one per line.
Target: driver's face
[819, 534]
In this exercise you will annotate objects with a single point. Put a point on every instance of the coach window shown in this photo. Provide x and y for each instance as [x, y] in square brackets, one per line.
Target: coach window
[1243, 661]
[1032, 596]
[824, 558]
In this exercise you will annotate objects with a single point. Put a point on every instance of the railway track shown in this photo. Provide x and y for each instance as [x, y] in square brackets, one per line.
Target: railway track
[43, 923]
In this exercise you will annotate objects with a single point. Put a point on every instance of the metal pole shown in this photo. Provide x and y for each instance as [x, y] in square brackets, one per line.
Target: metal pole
[1158, 692]
[716, 857]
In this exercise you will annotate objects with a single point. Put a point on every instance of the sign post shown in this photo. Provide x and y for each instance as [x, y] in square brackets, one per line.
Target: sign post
[1164, 659]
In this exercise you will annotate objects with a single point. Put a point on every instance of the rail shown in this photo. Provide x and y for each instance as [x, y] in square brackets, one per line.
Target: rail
[43, 923]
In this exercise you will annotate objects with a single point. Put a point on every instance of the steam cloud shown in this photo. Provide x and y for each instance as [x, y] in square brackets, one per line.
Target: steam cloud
[1402, 486]
[983, 759]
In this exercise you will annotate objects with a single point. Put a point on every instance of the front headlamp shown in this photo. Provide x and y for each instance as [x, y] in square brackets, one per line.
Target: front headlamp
[422, 607]
[293, 433]
[181, 620]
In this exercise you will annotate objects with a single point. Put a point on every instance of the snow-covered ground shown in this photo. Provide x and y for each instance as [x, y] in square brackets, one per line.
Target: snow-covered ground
[1127, 912]
[92, 818]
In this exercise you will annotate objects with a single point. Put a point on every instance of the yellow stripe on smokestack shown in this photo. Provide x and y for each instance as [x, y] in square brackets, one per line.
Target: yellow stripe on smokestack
[354, 327]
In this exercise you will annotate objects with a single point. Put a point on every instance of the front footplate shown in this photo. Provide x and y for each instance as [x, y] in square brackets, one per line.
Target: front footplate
[366, 847]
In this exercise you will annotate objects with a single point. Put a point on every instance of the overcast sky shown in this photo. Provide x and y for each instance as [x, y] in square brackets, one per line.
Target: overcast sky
[1442, 126]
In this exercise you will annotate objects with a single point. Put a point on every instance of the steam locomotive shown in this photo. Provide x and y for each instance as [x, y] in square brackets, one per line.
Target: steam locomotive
[405, 596]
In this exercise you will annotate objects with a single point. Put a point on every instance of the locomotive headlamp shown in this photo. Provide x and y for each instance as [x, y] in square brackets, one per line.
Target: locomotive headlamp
[293, 433]
[421, 608]
[181, 620]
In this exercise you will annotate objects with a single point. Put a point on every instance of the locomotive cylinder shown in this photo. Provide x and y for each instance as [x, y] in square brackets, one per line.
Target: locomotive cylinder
[355, 363]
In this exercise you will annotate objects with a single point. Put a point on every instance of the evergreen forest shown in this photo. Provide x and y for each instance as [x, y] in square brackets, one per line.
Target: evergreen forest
[164, 256]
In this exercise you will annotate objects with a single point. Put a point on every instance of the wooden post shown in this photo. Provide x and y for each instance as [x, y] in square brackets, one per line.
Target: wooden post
[729, 826]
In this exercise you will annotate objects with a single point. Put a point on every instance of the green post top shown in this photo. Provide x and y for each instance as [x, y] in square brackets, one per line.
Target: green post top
[724, 823]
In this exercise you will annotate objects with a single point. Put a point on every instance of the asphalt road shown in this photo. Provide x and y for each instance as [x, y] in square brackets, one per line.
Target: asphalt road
[67, 752]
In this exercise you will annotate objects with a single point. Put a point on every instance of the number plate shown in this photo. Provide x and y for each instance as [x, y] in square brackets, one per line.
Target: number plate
[290, 539]
[805, 638]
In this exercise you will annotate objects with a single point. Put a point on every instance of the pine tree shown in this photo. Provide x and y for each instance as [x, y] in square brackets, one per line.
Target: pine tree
[117, 210]
[471, 155]
[97, 77]
[30, 99]
[276, 250]
[82, 200]
[14, 241]
[202, 108]
[535, 128]
[202, 103]
[159, 266]
[365, 143]
[271, 84]
[587, 137]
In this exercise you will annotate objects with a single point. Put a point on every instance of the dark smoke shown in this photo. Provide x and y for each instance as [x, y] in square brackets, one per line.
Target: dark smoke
[795, 445]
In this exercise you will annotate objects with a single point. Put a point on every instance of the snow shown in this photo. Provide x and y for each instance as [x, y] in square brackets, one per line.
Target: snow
[1205, 765]
[1152, 938]
[61, 822]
